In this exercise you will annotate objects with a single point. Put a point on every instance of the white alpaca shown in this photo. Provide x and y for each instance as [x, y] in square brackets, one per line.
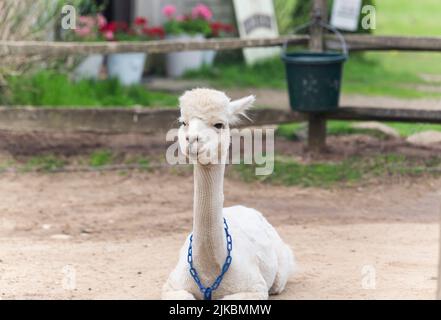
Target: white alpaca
[261, 261]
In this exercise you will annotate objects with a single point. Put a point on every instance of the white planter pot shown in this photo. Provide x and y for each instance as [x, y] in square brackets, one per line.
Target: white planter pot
[209, 57]
[180, 62]
[126, 67]
[89, 68]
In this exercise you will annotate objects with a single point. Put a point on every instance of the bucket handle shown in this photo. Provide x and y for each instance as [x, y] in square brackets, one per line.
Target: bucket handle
[326, 26]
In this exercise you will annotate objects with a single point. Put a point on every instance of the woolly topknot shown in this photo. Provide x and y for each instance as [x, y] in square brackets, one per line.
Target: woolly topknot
[207, 104]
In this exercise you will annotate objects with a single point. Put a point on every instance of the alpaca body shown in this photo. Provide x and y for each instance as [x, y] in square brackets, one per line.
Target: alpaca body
[261, 261]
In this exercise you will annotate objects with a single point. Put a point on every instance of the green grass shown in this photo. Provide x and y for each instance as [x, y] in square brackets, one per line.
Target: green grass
[336, 128]
[348, 172]
[417, 18]
[374, 74]
[389, 73]
[44, 163]
[379, 74]
[100, 158]
[140, 161]
[287, 171]
[97, 159]
[47, 88]
[408, 129]
[265, 74]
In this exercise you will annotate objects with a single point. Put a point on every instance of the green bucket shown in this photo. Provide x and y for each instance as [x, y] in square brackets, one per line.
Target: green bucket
[314, 78]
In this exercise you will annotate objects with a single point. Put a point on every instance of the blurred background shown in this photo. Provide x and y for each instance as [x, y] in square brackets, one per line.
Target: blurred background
[379, 74]
[388, 79]
[85, 187]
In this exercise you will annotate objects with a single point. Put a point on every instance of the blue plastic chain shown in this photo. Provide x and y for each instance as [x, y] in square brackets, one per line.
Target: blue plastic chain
[207, 291]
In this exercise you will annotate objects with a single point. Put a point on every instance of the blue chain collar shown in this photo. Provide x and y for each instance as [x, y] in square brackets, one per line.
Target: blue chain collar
[206, 291]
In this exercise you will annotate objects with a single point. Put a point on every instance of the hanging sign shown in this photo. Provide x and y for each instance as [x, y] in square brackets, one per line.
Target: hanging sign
[346, 14]
[256, 19]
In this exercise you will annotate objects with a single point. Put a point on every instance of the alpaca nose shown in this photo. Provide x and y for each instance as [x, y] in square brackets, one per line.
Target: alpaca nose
[192, 138]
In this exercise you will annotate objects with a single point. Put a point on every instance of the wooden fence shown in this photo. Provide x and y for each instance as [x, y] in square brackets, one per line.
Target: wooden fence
[355, 42]
[147, 120]
[132, 120]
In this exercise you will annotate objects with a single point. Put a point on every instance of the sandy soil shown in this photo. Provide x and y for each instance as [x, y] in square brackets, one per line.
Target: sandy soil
[107, 235]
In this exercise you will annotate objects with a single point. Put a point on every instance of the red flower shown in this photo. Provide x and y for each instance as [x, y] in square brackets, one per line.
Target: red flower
[218, 27]
[122, 26]
[115, 26]
[157, 32]
[109, 27]
[228, 28]
[140, 21]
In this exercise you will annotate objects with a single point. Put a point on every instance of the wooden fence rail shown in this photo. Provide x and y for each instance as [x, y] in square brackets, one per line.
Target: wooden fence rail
[355, 42]
[124, 120]
[402, 43]
[161, 46]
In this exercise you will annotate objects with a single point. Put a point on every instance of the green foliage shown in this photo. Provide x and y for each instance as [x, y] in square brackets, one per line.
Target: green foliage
[191, 26]
[124, 36]
[408, 129]
[47, 88]
[370, 75]
[337, 128]
[411, 18]
[395, 74]
[142, 162]
[379, 74]
[100, 158]
[302, 13]
[90, 7]
[269, 74]
[334, 128]
[44, 163]
[347, 172]
[289, 172]
[96, 160]
[290, 130]
[284, 10]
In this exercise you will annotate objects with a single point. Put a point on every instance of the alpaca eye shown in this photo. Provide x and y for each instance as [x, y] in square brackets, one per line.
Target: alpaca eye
[219, 125]
[182, 123]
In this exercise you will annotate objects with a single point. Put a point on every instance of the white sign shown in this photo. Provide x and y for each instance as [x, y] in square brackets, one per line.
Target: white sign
[345, 14]
[256, 19]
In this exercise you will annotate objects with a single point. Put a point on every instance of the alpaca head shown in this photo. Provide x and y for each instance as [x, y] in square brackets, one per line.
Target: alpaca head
[206, 116]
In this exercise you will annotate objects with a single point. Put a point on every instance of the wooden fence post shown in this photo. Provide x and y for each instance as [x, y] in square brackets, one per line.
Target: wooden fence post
[317, 122]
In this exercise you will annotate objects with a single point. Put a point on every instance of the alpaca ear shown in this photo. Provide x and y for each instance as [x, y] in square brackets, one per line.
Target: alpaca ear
[238, 107]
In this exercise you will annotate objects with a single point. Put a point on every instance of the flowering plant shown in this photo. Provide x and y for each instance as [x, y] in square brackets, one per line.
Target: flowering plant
[196, 22]
[138, 31]
[89, 28]
[219, 29]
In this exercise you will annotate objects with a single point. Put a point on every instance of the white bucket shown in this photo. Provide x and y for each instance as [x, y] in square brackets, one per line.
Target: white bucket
[89, 68]
[180, 62]
[126, 67]
[209, 57]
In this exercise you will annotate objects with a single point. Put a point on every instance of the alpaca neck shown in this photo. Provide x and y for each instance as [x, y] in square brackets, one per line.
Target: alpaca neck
[208, 225]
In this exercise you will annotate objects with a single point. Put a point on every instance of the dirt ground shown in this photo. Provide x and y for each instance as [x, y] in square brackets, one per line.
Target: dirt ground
[101, 235]
[107, 235]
